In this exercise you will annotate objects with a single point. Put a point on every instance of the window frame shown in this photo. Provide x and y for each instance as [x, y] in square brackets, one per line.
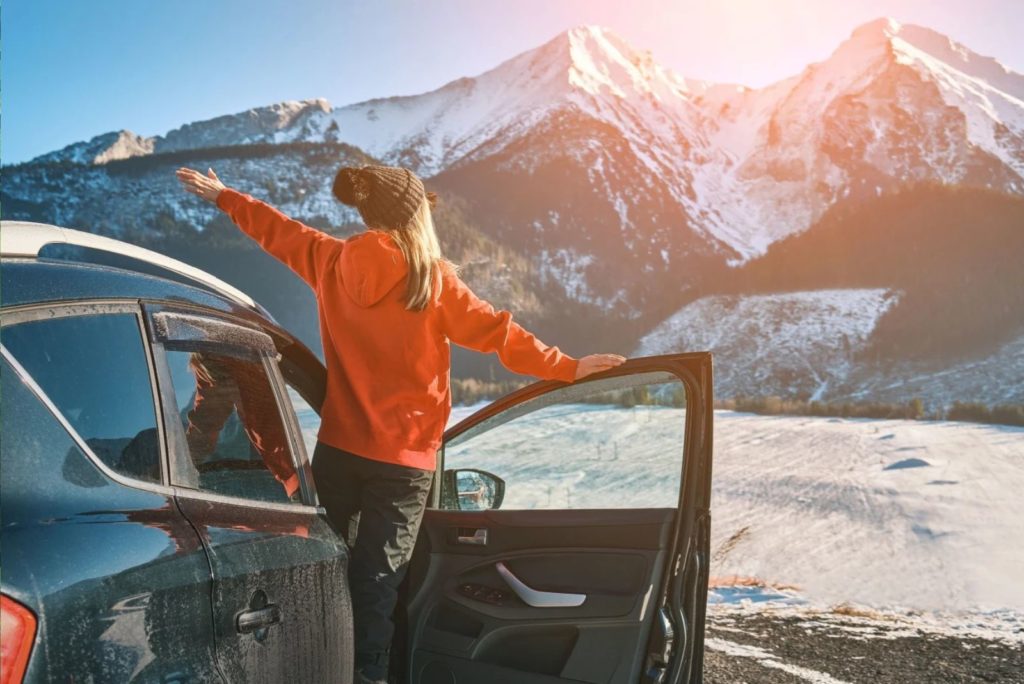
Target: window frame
[52, 310]
[177, 449]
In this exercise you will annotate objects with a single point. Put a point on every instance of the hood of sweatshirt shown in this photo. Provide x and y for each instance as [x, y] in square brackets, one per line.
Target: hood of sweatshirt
[371, 266]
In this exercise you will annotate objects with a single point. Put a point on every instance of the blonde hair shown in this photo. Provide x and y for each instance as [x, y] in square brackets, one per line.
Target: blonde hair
[418, 244]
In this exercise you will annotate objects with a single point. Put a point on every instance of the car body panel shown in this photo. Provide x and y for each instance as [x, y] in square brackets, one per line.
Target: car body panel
[291, 560]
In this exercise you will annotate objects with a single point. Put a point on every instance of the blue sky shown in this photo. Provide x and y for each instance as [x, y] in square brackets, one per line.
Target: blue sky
[72, 69]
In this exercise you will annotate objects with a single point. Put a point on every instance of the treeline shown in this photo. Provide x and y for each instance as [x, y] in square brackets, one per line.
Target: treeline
[666, 394]
[1001, 414]
[914, 409]
[469, 391]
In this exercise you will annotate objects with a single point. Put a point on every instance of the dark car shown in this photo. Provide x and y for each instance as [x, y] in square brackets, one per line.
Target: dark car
[160, 522]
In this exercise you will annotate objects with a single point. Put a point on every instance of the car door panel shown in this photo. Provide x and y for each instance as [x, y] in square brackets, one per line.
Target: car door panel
[612, 557]
[468, 624]
[288, 560]
[280, 602]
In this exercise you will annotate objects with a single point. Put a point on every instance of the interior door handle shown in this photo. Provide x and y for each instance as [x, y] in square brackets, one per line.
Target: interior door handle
[478, 538]
[253, 620]
[539, 599]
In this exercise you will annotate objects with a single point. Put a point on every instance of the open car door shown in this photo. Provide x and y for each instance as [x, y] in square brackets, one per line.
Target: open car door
[568, 537]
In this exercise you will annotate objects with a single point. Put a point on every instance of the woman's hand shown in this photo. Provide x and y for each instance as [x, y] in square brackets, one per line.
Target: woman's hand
[595, 363]
[208, 187]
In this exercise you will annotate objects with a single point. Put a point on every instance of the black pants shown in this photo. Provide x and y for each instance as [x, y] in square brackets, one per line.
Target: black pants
[378, 508]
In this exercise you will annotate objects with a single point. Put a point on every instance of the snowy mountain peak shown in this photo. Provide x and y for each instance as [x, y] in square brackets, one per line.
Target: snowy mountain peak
[260, 124]
[587, 69]
[929, 49]
[101, 149]
[599, 61]
[881, 28]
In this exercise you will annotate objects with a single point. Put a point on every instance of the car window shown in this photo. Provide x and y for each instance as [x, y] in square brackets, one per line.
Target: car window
[615, 443]
[309, 420]
[34, 443]
[94, 369]
[234, 436]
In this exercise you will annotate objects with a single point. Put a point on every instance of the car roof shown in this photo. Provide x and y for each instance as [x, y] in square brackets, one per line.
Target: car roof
[103, 268]
[38, 281]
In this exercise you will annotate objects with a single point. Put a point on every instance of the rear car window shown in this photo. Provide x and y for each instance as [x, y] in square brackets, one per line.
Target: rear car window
[94, 369]
[235, 437]
[35, 449]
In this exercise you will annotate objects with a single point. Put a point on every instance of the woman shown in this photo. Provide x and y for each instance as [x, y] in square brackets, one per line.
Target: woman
[388, 305]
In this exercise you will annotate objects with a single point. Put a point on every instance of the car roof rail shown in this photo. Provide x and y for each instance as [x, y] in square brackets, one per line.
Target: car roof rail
[27, 239]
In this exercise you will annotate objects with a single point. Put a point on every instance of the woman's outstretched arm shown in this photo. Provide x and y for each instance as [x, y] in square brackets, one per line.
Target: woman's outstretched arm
[303, 249]
[472, 322]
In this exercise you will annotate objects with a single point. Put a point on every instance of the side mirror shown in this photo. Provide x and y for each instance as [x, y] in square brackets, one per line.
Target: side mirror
[471, 490]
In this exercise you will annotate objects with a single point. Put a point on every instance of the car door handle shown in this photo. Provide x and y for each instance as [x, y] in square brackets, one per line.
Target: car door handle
[539, 599]
[478, 538]
[253, 620]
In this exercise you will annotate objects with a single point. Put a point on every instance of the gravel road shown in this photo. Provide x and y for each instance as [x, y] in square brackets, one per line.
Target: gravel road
[785, 649]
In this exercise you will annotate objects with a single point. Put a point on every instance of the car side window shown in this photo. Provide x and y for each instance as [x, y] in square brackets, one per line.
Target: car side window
[309, 419]
[95, 371]
[612, 443]
[236, 441]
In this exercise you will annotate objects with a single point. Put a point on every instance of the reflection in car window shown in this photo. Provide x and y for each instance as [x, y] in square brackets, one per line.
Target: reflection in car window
[615, 443]
[94, 369]
[236, 440]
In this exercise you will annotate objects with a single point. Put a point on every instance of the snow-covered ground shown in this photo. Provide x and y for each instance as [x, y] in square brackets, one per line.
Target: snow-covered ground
[921, 515]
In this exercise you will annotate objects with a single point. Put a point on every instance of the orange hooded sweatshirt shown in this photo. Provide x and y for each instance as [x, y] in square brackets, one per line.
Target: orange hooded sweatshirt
[388, 396]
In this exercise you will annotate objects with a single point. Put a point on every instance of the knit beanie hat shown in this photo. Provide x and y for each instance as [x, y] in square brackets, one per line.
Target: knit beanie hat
[386, 196]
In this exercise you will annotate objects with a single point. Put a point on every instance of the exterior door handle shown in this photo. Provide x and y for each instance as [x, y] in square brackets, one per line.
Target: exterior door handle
[539, 599]
[254, 620]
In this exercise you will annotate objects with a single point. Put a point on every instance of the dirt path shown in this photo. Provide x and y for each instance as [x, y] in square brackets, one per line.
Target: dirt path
[769, 649]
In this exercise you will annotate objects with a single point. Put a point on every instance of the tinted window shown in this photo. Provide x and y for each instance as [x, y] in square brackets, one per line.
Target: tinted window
[615, 443]
[42, 466]
[94, 369]
[236, 441]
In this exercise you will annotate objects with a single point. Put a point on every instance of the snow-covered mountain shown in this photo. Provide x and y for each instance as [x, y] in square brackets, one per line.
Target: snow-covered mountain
[812, 345]
[622, 186]
[892, 105]
[789, 344]
[104, 148]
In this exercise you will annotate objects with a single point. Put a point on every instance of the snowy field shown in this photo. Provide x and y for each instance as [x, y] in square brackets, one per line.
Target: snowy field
[923, 515]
